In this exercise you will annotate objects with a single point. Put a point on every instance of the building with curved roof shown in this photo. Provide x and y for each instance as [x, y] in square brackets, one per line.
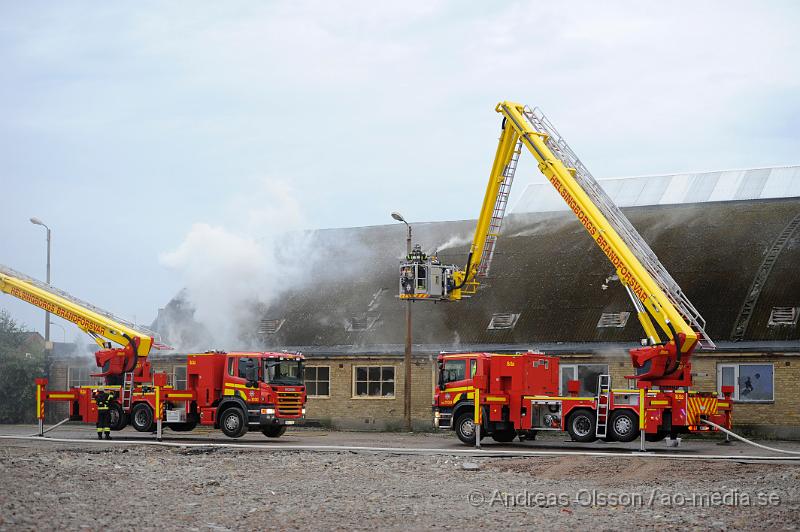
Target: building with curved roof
[551, 289]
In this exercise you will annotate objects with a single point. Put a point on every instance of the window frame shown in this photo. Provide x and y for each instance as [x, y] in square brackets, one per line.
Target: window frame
[735, 365]
[317, 381]
[175, 378]
[89, 379]
[392, 397]
[575, 366]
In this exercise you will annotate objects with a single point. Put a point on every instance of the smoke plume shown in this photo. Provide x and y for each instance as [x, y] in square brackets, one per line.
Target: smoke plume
[229, 272]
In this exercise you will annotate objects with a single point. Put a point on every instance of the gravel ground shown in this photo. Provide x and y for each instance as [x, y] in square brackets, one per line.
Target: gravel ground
[113, 488]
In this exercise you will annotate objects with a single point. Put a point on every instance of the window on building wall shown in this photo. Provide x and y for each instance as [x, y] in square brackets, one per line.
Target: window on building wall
[588, 374]
[179, 377]
[81, 377]
[318, 381]
[752, 383]
[373, 381]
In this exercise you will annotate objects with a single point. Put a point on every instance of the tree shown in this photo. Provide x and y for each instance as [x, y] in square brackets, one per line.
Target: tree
[21, 361]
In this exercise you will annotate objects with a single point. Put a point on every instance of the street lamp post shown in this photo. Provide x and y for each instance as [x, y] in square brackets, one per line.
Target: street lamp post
[37, 221]
[63, 331]
[407, 358]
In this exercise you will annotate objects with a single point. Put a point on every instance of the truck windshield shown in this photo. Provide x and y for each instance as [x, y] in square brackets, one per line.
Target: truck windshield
[289, 372]
[454, 370]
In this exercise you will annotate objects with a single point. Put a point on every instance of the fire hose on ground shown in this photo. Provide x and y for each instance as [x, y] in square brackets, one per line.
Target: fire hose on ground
[745, 440]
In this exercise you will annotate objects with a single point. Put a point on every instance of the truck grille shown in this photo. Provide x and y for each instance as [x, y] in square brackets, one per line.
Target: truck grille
[290, 404]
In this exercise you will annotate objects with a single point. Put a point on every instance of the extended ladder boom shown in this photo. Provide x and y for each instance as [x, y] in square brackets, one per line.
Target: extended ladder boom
[672, 325]
[655, 294]
[98, 323]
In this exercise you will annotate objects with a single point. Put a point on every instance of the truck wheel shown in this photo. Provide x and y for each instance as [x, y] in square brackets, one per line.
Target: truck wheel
[232, 423]
[465, 429]
[625, 425]
[504, 436]
[142, 417]
[118, 418]
[275, 431]
[581, 426]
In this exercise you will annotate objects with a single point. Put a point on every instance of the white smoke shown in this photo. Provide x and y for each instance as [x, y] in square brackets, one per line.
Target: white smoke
[454, 241]
[229, 272]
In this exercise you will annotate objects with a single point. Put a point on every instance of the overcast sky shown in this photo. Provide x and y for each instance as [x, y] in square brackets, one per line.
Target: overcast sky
[147, 135]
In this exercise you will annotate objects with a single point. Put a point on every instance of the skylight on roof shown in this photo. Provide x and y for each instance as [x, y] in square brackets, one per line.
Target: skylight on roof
[503, 320]
[783, 316]
[362, 322]
[270, 326]
[613, 319]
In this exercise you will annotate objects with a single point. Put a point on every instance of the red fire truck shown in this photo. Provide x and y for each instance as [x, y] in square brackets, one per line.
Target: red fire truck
[231, 391]
[519, 396]
[520, 392]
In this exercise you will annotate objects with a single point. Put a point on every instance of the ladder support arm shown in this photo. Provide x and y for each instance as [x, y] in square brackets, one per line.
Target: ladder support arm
[631, 272]
[505, 151]
[98, 326]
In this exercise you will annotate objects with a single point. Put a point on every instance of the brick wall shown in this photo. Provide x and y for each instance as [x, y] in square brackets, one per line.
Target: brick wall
[343, 410]
[779, 418]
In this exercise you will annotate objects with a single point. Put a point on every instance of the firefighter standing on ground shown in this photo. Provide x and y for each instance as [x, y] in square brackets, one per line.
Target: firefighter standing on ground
[103, 400]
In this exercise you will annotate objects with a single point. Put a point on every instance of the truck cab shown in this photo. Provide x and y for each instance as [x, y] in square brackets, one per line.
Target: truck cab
[248, 390]
[506, 383]
[454, 392]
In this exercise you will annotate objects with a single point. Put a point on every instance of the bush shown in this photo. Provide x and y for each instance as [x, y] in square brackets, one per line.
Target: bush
[21, 362]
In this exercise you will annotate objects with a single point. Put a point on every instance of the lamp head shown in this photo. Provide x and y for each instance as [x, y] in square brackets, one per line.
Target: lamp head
[36, 221]
[399, 217]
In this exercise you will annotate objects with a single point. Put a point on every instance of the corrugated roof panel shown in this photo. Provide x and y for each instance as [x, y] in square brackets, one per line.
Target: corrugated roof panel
[696, 187]
[752, 184]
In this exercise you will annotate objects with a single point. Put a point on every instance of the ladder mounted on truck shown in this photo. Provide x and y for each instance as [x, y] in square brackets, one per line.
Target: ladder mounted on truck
[603, 405]
[127, 391]
[104, 327]
[620, 223]
[673, 327]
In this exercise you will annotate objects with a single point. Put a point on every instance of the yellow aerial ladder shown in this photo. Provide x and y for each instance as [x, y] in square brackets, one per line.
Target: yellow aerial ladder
[125, 365]
[672, 325]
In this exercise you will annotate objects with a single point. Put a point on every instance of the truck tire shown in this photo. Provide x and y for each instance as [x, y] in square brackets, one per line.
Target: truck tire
[504, 436]
[274, 431]
[118, 418]
[465, 428]
[142, 417]
[232, 422]
[581, 426]
[624, 425]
